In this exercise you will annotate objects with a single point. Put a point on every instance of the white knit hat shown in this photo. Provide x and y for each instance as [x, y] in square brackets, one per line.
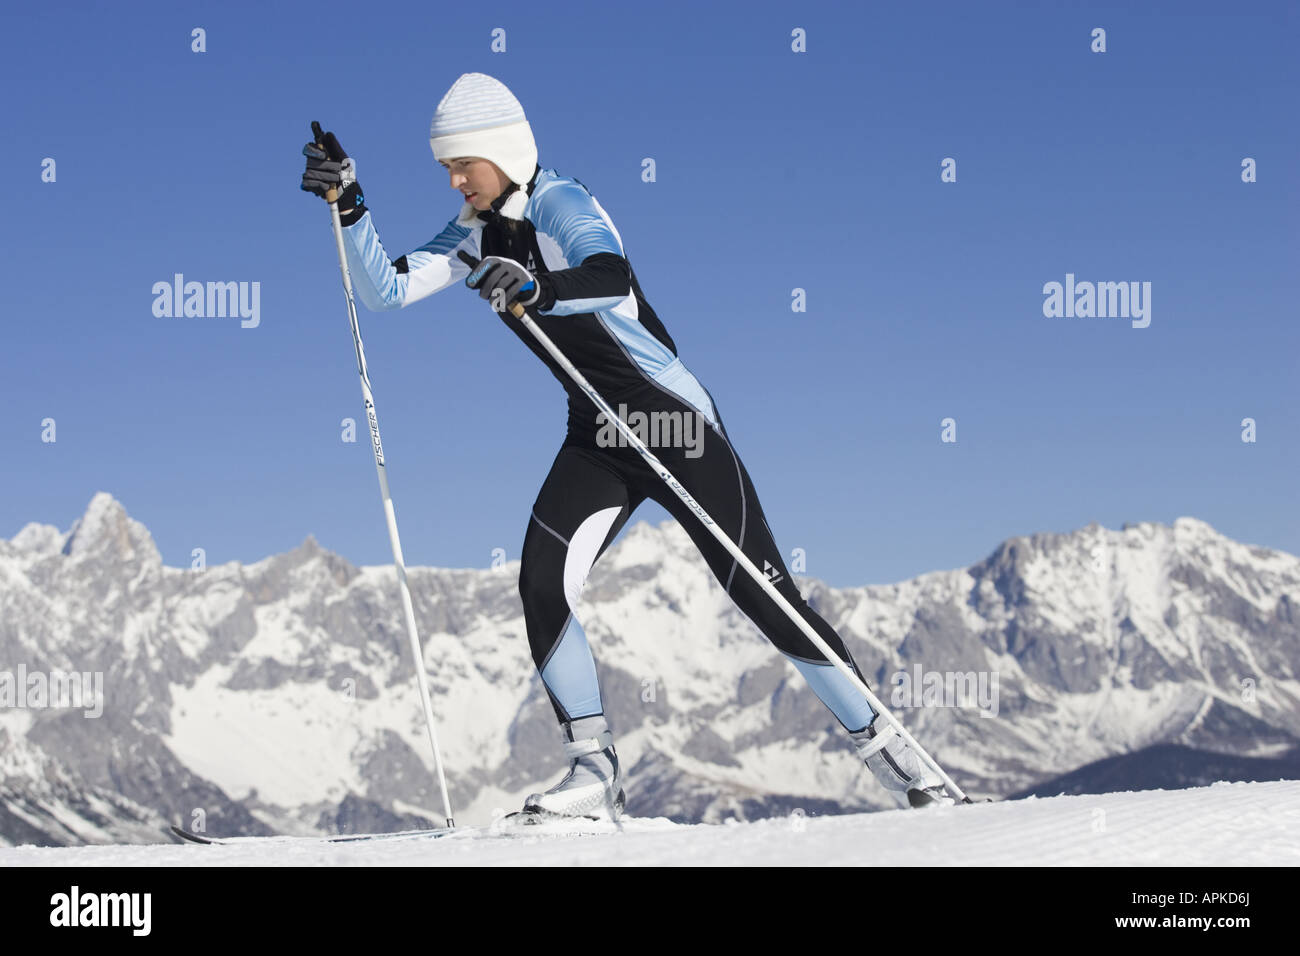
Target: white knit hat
[480, 117]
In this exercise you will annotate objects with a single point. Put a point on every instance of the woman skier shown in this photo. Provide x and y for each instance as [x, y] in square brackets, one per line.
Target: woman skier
[546, 243]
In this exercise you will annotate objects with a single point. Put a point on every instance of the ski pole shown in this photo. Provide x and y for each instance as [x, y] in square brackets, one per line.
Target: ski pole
[390, 515]
[653, 461]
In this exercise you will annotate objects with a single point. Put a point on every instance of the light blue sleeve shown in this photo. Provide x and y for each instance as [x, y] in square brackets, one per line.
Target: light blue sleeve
[430, 268]
[570, 215]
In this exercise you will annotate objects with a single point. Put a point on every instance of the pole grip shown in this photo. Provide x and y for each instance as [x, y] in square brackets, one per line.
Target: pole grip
[516, 309]
[325, 141]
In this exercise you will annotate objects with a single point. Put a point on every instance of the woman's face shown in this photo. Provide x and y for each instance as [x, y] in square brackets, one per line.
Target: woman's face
[479, 180]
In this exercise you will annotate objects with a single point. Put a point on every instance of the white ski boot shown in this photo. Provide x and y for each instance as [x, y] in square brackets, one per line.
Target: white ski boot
[593, 787]
[898, 768]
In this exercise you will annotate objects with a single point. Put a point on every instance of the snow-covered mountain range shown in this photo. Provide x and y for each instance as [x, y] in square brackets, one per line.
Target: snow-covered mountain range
[279, 695]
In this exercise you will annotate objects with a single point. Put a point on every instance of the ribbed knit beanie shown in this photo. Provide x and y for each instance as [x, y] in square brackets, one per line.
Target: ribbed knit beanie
[480, 117]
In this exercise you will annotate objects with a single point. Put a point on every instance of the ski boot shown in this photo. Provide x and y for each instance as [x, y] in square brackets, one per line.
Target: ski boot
[899, 770]
[593, 787]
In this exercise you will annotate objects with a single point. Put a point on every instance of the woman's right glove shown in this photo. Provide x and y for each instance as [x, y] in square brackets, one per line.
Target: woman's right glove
[330, 168]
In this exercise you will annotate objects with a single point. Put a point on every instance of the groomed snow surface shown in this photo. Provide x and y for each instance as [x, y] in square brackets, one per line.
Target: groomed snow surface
[1227, 824]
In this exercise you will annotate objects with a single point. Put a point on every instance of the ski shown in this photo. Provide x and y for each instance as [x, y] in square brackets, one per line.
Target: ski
[192, 837]
[519, 823]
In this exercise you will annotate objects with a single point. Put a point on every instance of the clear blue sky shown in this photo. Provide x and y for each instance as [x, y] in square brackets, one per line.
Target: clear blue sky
[776, 170]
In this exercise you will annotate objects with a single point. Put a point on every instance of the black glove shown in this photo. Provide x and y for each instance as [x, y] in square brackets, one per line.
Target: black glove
[503, 282]
[329, 167]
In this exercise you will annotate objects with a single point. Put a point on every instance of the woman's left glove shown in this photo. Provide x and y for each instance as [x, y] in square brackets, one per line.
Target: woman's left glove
[329, 167]
[503, 282]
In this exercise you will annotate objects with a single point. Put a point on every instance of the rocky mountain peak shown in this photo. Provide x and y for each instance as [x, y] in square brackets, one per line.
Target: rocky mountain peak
[107, 530]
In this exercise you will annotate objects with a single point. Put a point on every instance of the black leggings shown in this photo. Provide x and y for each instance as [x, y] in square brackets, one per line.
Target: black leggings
[586, 499]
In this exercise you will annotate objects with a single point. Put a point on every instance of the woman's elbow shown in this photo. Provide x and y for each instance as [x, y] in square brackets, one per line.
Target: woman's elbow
[387, 300]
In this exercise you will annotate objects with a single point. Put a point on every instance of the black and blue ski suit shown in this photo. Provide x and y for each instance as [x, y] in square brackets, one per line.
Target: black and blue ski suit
[592, 308]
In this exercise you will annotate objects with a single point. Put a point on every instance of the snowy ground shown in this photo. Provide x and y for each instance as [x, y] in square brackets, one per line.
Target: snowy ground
[1238, 824]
